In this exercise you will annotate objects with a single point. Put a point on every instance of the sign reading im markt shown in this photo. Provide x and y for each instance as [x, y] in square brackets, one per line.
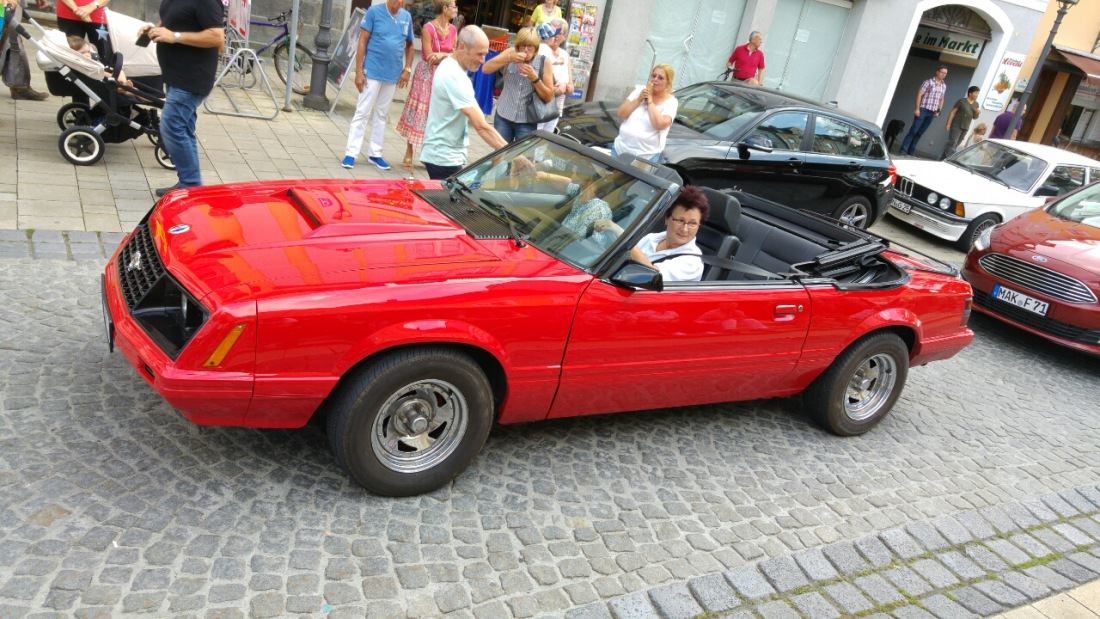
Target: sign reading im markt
[947, 42]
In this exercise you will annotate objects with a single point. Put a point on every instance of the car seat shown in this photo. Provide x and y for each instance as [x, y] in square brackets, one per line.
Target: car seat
[718, 234]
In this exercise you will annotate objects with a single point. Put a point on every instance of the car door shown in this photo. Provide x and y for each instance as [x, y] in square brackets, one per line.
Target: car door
[1061, 180]
[835, 163]
[691, 343]
[776, 175]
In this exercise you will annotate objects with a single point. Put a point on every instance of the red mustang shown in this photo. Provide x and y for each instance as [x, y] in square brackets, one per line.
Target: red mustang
[416, 314]
[1041, 271]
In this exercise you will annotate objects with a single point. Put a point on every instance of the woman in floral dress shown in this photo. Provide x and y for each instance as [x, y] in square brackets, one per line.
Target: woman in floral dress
[437, 41]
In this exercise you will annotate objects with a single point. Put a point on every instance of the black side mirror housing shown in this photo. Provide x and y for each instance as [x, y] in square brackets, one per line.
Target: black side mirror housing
[1045, 191]
[638, 277]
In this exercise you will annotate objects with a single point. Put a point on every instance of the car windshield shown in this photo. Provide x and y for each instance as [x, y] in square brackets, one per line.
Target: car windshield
[1012, 167]
[554, 197]
[1082, 207]
[715, 111]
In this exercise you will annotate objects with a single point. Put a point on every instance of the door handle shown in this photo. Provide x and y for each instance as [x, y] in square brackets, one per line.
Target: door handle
[787, 312]
[855, 165]
[794, 162]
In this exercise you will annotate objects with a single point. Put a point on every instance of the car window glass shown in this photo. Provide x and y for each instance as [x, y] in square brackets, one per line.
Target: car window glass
[1064, 179]
[782, 131]
[1082, 207]
[715, 111]
[1004, 164]
[1094, 175]
[836, 137]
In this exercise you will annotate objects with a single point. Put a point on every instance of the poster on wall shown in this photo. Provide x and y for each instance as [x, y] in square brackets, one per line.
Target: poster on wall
[240, 11]
[346, 49]
[999, 89]
[582, 38]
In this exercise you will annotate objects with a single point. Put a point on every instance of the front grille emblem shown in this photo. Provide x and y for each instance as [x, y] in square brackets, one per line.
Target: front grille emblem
[1039, 258]
[180, 229]
[135, 262]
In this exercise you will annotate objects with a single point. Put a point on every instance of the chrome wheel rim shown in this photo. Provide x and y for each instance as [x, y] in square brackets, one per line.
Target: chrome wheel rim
[985, 225]
[855, 215]
[870, 387]
[419, 426]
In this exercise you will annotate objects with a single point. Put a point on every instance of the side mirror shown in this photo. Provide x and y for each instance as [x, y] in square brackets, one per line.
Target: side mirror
[1046, 191]
[744, 147]
[638, 277]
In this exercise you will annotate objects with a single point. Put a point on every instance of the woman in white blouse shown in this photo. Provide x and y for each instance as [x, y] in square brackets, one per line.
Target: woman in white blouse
[647, 115]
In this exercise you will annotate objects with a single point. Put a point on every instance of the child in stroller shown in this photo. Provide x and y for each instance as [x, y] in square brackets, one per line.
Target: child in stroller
[106, 108]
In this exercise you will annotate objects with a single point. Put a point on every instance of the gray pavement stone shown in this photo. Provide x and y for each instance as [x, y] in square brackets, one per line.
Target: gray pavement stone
[960, 565]
[874, 551]
[814, 606]
[783, 573]
[999, 520]
[675, 602]
[976, 602]
[911, 612]
[635, 606]
[1032, 588]
[1008, 551]
[844, 557]
[1073, 570]
[952, 530]
[1053, 540]
[1030, 545]
[714, 593]
[976, 524]
[590, 611]
[907, 581]
[901, 543]
[848, 598]
[749, 582]
[878, 589]
[815, 565]
[927, 536]
[935, 573]
[1001, 593]
[1049, 577]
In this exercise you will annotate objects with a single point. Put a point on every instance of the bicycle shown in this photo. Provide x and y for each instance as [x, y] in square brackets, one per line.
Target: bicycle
[303, 55]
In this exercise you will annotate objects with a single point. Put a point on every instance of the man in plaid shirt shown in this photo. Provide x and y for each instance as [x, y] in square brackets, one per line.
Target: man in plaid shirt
[929, 104]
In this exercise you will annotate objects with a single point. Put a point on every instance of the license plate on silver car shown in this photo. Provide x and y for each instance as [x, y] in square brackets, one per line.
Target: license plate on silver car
[1021, 300]
[899, 205]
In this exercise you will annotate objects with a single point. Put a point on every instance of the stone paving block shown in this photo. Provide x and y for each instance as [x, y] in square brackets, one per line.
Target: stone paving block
[944, 608]
[848, 598]
[1001, 593]
[777, 610]
[1078, 501]
[901, 543]
[1030, 545]
[783, 573]
[813, 605]
[935, 573]
[1007, 551]
[844, 557]
[999, 520]
[749, 582]
[1059, 505]
[1091, 494]
[1072, 534]
[815, 565]
[596, 610]
[1032, 588]
[976, 524]
[634, 606]
[911, 612]
[1086, 560]
[714, 593]
[675, 602]
[1049, 577]
[907, 581]
[1041, 510]
[1053, 540]
[956, 562]
[952, 530]
[878, 589]
[1072, 570]
[876, 553]
[927, 536]
[976, 602]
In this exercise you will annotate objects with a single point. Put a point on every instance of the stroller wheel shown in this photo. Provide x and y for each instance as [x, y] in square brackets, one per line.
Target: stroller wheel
[80, 145]
[73, 114]
[153, 139]
[162, 157]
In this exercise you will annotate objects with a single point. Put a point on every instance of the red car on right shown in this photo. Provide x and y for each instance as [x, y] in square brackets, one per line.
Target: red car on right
[1041, 271]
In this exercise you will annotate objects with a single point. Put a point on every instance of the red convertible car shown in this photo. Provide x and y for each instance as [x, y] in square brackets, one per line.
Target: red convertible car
[415, 314]
[1041, 271]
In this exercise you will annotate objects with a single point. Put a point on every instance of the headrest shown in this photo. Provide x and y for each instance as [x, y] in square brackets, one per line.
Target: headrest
[725, 210]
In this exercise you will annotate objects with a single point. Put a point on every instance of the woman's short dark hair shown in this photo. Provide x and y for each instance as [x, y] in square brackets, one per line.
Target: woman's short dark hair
[691, 198]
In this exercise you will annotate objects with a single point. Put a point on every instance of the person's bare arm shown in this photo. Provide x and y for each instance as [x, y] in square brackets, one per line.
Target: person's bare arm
[544, 84]
[759, 81]
[483, 128]
[360, 56]
[920, 95]
[627, 108]
[406, 73]
[657, 118]
[950, 117]
[211, 37]
[639, 256]
[500, 61]
[85, 12]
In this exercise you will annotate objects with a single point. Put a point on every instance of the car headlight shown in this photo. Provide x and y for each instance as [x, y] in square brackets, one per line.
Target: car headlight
[932, 197]
[982, 242]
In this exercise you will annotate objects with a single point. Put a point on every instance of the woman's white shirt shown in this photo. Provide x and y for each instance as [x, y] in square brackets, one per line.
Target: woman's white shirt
[688, 268]
[637, 135]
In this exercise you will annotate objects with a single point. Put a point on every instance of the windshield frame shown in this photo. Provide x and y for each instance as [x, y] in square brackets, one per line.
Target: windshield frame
[996, 152]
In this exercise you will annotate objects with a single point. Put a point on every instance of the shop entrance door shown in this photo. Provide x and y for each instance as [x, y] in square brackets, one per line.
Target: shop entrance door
[800, 46]
[695, 37]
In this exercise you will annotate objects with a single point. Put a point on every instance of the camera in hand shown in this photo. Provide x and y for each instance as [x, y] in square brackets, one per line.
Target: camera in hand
[143, 39]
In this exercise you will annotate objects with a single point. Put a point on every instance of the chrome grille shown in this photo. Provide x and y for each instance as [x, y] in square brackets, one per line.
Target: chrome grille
[1031, 319]
[139, 266]
[1037, 278]
[905, 186]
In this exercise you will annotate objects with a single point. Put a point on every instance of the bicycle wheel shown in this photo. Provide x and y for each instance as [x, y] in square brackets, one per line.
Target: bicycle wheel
[303, 65]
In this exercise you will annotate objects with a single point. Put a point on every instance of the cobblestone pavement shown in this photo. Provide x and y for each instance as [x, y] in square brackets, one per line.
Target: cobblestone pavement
[111, 503]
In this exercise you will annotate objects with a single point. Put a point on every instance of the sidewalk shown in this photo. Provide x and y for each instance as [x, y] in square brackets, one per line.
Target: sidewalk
[80, 213]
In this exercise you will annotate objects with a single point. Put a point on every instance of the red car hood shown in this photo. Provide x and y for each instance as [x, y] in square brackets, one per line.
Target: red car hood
[1036, 232]
[227, 235]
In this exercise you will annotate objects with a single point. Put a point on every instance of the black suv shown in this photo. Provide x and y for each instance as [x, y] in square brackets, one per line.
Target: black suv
[789, 150]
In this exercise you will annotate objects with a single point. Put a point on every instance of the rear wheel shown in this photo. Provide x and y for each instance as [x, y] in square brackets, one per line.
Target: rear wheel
[81, 145]
[974, 230]
[856, 212]
[162, 156]
[861, 385]
[303, 66]
[72, 114]
[412, 421]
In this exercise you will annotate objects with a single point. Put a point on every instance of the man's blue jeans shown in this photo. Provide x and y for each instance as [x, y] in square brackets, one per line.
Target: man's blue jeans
[920, 125]
[177, 130]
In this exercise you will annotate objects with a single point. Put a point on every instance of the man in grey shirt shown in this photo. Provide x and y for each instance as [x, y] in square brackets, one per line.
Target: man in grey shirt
[958, 120]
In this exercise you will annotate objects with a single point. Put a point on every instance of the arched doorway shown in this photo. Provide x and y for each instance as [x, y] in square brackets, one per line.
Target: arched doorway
[952, 36]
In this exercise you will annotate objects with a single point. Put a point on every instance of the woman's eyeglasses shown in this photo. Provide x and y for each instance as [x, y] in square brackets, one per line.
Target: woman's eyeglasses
[683, 223]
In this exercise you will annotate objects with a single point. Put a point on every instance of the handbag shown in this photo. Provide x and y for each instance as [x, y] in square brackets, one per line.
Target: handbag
[539, 111]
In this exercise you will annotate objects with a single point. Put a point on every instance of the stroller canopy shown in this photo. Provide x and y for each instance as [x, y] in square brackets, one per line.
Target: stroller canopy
[137, 61]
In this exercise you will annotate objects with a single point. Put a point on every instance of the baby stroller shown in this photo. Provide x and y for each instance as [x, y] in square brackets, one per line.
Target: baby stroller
[103, 110]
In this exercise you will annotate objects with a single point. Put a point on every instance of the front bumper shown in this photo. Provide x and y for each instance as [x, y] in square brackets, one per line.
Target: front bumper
[936, 222]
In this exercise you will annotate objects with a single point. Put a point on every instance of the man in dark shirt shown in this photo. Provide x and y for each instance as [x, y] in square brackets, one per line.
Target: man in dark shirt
[188, 38]
[958, 120]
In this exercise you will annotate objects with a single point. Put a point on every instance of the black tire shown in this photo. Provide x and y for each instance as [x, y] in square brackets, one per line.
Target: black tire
[80, 145]
[162, 156]
[412, 421]
[72, 114]
[303, 65]
[861, 385]
[856, 212]
[975, 229]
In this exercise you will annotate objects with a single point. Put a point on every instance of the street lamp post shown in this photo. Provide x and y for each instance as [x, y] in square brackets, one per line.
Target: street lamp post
[316, 99]
[1025, 97]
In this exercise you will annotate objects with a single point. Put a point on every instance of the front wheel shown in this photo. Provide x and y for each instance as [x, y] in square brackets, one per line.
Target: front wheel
[81, 145]
[412, 421]
[861, 385]
[856, 212]
[974, 230]
[303, 66]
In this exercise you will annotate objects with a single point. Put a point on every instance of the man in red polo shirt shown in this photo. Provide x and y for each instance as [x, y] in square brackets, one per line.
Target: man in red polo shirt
[747, 61]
